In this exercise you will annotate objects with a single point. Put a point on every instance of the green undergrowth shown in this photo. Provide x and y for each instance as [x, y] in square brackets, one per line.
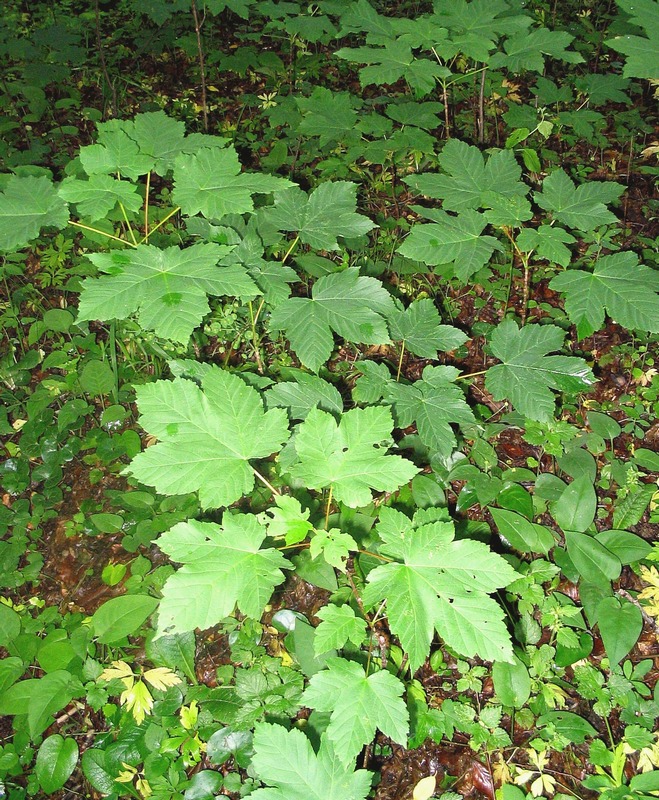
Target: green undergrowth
[314, 445]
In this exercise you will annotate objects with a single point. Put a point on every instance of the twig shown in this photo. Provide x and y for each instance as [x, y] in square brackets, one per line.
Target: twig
[202, 68]
[481, 109]
[104, 64]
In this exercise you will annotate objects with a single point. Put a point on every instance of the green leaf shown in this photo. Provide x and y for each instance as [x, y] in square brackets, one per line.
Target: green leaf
[349, 456]
[210, 182]
[329, 115]
[526, 51]
[359, 705]
[94, 766]
[571, 726]
[642, 54]
[327, 212]
[286, 761]
[525, 536]
[437, 583]
[419, 329]
[434, 403]
[630, 509]
[339, 625]
[527, 374]
[40, 698]
[350, 305]
[627, 546]
[593, 561]
[96, 378]
[470, 180]
[56, 760]
[166, 287]
[121, 616]
[549, 243]
[115, 152]
[451, 240]
[620, 623]
[575, 508]
[619, 286]
[207, 436]
[159, 137]
[582, 207]
[27, 205]
[96, 197]
[176, 651]
[303, 394]
[223, 568]
[512, 682]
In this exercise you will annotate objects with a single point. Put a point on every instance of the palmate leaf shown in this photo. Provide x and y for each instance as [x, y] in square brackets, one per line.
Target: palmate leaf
[210, 182]
[582, 207]
[285, 761]
[619, 286]
[166, 287]
[434, 403]
[419, 328]
[96, 197]
[223, 568]
[451, 240]
[527, 374]
[439, 584]
[339, 625]
[159, 137]
[329, 115]
[549, 242]
[328, 212]
[526, 51]
[115, 152]
[475, 26]
[207, 435]
[358, 704]
[642, 54]
[28, 204]
[469, 179]
[352, 306]
[349, 456]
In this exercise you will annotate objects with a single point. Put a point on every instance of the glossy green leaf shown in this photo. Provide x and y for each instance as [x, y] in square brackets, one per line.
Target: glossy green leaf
[525, 536]
[575, 508]
[512, 683]
[56, 760]
[620, 624]
[594, 562]
[122, 616]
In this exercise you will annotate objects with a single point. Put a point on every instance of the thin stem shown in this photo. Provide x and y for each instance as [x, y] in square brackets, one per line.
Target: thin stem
[100, 233]
[146, 206]
[112, 341]
[481, 110]
[128, 225]
[266, 482]
[255, 338]
[101, 56]
[290, 249]
[202, 68]
[400, 362]
[526, 289]
[471, 375]
[161, 223]
[328, 507]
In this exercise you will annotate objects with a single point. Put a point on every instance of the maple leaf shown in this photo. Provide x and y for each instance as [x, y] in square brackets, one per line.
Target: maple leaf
[527, 374]
[339, 625]
[358, 704]
[207, 435]
[166, 287]
[223, 567]
[420, 330]
[28, 204]
[285, 760]
[437, 583]
[582, 207]
[349, 456]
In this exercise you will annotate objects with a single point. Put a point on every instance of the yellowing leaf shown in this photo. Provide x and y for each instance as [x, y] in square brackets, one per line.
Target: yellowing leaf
[138, 701]
[425, 788]
[119, 670]
[161, 677]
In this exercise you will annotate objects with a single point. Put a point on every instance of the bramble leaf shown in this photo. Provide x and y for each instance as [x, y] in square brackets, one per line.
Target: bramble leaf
[166, 287]
[358, 704]
[419, 327]
[582, 207]
[619, 286]
[351, 456]
[350, 305]
[28, 204]
[437, 583]
[223, 568]
[327, 212]
[434, 403]
[207, 435]
[527, 374]
[286, 760]
[210, 182]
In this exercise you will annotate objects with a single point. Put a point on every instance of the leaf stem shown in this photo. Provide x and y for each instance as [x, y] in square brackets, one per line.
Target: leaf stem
[146, 206]
[100, 233]
[129, 226]
[328, 507]
[265, 481]
[400, 361]
[255, 338]
[290, 249]
[471, 375]
[161, 223]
